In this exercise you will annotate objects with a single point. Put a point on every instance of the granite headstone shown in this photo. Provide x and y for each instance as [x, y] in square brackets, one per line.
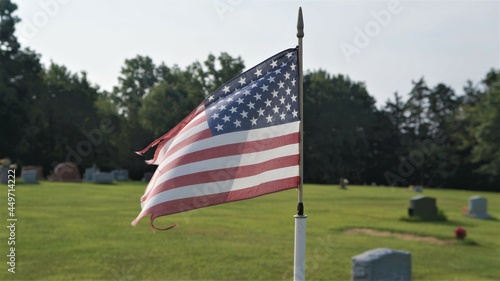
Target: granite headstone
[66, 172]
[381, 265]
[89, 173]
[120, 175]
[29, 176]
[424, 207]
[101, 177]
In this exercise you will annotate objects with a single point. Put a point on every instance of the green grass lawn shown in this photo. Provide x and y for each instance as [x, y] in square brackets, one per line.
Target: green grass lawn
[77, 231]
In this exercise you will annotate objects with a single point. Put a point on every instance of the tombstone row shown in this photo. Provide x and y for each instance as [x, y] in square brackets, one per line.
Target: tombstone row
[416, 188]
[94, 175]
[69, 172]
[390, 265]
[426, 207]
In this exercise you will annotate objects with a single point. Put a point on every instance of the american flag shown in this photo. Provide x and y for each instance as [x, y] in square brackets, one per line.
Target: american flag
[241, 142]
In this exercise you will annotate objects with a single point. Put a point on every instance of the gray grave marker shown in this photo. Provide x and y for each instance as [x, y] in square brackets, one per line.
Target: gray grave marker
[38, 169]
[424, 207]
[120, 175]
[103, 178]
[418, 188]
[29, 176]
[381, 265]
[89, 173]
[478, 207]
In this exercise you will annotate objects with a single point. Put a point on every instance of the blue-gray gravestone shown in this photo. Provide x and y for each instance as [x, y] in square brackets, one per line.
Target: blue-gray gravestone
[381, 265]
[424, 207]
[103, 178]
[120, 175]
[89, 173]
[478, 207]
[418, 188]
[29, 176]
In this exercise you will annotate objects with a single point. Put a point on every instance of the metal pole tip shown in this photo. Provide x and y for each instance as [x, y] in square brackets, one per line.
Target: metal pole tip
[300, 25]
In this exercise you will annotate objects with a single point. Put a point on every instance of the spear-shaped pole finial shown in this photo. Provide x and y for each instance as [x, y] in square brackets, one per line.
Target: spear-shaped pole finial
[300, 25]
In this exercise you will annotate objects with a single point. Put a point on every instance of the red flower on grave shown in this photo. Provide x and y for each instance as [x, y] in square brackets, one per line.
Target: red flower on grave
[460, 233]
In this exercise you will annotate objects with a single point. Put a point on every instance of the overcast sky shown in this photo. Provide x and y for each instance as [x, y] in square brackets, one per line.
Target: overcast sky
[385, 44]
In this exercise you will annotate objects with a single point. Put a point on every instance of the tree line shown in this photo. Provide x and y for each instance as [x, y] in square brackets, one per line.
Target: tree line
[435, 137]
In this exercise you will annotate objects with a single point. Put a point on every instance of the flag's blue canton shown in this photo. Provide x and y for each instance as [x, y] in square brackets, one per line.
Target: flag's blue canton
[263, 96]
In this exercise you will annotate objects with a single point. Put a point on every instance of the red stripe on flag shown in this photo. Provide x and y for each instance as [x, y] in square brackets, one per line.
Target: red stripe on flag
[186, 204]
[232, 149]
[188, 141]
[225, 174]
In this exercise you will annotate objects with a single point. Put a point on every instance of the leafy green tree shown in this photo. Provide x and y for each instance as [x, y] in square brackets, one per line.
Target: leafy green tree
[419, 128]
[180, 91]
[110, 125]
[339, 114]
[383, 138]
[486, 152]
[416, 107]
[20, 85]
[423, 129]
[71, 127]
[8, 41]
[442, 105]
[136, 79]
[215, 71]
[396, 113]
[169, 102]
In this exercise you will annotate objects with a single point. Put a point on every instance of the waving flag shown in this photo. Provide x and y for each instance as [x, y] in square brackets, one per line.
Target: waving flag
[241, 142]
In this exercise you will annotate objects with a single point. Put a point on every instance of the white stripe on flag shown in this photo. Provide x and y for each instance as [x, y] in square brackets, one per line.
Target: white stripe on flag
[229, 162]
[232, 138]
[220, 187]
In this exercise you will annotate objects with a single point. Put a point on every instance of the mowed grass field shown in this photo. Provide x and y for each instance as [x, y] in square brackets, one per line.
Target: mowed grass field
[75, 231]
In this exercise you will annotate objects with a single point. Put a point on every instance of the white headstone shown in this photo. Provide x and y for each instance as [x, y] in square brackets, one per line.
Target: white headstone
[478, 207]
[418, 188]
[29, 176]
[103, 178]
[381, 265]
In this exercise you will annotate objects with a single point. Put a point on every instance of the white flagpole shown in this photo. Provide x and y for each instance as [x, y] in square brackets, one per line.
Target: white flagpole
[299, 268]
